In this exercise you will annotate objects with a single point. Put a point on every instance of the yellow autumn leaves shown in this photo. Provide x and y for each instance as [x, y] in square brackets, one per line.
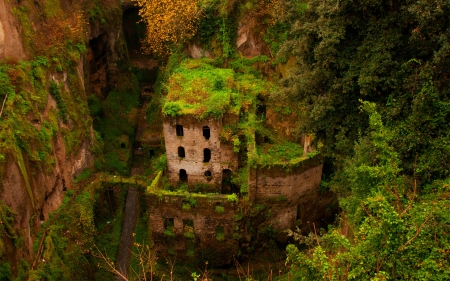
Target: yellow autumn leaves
[169, 22]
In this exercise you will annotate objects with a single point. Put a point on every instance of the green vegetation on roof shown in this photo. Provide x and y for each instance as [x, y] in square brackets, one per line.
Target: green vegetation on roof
[197, 88]
[283, 153]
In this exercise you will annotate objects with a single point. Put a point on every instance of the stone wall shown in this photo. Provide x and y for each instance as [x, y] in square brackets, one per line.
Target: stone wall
[194, 143]
[288, 192]
[205, 219]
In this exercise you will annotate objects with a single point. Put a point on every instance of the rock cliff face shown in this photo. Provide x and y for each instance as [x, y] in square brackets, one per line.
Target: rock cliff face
[10, 41]
[31, 188]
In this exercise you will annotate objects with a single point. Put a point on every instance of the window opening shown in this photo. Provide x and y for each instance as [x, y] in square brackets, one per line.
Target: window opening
[169, 230]
[122, 145]
[183, 175]
[208, 174]
[206, 155]
[220, 233]
[206, 132]
[180, 131]
[181, 152]
[188, 229]
[152, 153]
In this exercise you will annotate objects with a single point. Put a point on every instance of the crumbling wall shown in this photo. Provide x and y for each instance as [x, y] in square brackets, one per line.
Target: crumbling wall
[290, 193]
[205, 219]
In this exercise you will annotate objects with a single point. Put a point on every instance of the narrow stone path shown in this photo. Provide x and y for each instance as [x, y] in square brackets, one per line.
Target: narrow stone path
[126, 237]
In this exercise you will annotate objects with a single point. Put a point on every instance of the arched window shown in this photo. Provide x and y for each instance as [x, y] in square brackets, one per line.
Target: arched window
[206, 155]
[183, 175]
[208, 174]
[180, 130]
[181, 152]
[206, 132]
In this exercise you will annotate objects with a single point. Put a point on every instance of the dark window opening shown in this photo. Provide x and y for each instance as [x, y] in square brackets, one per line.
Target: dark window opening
[42, 217]
[208, 174]
[206, 132]
[181, 152]
[152, 153]
[227, 186]
[188, 229]
[122, 145]
[183, 175]
[180, 132]
[220, 233]
[206, 155]
[261, 139]
[169, 224]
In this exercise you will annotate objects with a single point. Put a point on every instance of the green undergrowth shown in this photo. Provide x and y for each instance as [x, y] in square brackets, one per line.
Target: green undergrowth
[69, 234]
[7, 232]
[29, 123]
[87, 222]
[117, 123]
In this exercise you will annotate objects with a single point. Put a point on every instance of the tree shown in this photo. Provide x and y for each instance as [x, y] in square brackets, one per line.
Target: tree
[397, 230]
[169, 22]
[393, 53]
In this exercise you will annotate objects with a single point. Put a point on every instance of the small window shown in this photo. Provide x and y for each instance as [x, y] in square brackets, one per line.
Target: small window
[208, 174]
[169, 224]
[122, 145]
[181, 152]
[183, 175]
[206, 132]
[188, 229]
[206, 155]
[220, 233]
[180, 131]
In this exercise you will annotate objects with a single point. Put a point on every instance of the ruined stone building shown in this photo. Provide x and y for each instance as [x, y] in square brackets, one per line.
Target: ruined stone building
[210, 215]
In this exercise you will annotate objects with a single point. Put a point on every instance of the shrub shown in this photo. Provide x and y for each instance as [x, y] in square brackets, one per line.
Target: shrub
[232, 198]
[186, 206]
[188, 232]
[219, 209]
[169, 233]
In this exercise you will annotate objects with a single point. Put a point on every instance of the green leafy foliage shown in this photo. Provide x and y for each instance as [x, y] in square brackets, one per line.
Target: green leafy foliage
[117, 123]
[219, 209]
[394, 219]
[232, 198]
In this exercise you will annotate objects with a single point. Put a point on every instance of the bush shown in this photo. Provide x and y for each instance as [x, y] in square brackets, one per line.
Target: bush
[169, 233]
[219, 209]
[232, 198]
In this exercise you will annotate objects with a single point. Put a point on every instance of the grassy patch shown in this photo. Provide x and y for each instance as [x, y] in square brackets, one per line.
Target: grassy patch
[198, 88]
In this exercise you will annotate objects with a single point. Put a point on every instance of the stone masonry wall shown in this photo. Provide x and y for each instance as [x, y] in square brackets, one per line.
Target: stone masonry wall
[205, 220]
[285, 191]
[194, 143]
